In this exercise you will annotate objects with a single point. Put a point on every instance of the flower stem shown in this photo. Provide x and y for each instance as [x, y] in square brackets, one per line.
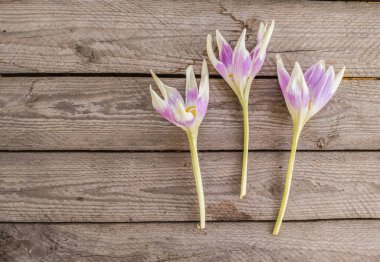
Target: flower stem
[198, 178]
[243, 186]
[288, 181]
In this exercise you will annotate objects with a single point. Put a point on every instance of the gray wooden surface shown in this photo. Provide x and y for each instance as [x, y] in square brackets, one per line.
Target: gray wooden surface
[115, 113]
[225, 241]
[137, 187]
[89, 172]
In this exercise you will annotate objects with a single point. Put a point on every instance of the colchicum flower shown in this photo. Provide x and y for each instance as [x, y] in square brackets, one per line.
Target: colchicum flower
[187, 115]
[238, 68]
[305, 94]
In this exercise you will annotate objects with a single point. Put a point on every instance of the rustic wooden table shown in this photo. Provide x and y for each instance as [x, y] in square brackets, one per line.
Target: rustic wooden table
[90, 172]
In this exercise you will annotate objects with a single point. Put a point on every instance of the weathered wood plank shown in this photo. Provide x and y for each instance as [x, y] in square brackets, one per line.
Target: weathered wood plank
[249, 241]
[108, 113]
[124, 187]
[134, 36]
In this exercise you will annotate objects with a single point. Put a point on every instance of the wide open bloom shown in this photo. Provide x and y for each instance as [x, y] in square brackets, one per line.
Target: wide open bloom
[238, 68]
[187, 115]
[305, 94]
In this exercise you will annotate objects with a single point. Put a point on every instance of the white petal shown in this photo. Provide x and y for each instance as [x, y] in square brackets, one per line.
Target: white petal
[220, 40]
[157, 102]
[261, 31]
[282, 73]
[240, 45]
[160, 85]
[204, 84]
[210, 52]
[180, 114]
[265, 40]
[297, 84]
[338, 79]
[191, 87]
[166, 91]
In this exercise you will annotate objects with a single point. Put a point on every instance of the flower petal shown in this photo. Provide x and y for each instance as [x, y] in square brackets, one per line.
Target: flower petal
[259, 52]
[315, 74]
[241, 63]
[338, 78]
[170, 94]
[203, 97]
[181, 116]
[162, 107]
[191, 87]
[261, 31]
[219, 66]
[297, 95]
[322, 92]
[240, 45]
[283, 75]
[225, 51]
[263, 44]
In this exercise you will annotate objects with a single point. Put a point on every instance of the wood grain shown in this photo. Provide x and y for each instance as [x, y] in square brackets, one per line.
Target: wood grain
[128, 187]
[113, 113]
[250, 241]
[167, 36]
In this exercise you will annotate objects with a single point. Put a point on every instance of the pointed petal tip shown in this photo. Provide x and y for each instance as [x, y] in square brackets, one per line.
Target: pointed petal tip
[278, 58]
[204, 62]
[189, 69]
[342, 70]
[297, 65]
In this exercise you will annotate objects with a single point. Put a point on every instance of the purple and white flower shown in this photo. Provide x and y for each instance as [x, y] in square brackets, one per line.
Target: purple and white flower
[239, 67]
[306, 94]
[185, 114]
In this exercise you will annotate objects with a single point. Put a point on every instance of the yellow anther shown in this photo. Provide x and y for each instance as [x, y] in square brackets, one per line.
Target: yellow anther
[192, 109]
[230, 75]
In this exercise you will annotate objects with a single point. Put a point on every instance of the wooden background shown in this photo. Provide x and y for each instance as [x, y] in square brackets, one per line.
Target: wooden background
[89, 172]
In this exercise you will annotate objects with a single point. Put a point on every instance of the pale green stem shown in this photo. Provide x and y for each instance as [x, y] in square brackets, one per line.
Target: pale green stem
[243, 185]
[198, 178]
[288, 181]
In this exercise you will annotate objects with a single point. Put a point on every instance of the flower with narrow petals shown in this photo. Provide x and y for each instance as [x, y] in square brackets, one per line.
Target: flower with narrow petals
[305, 94]
[187, 115]
[238, 68]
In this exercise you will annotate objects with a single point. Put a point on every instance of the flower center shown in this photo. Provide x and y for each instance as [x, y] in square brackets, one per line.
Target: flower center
[192, 109]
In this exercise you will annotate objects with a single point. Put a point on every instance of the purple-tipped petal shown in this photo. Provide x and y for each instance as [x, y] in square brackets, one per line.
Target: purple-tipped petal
[191, 87]
[241, 65]
[256, 66]
[322, 92]
[283, 75]
[315, 74]
[162, 107]
[225, 50]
